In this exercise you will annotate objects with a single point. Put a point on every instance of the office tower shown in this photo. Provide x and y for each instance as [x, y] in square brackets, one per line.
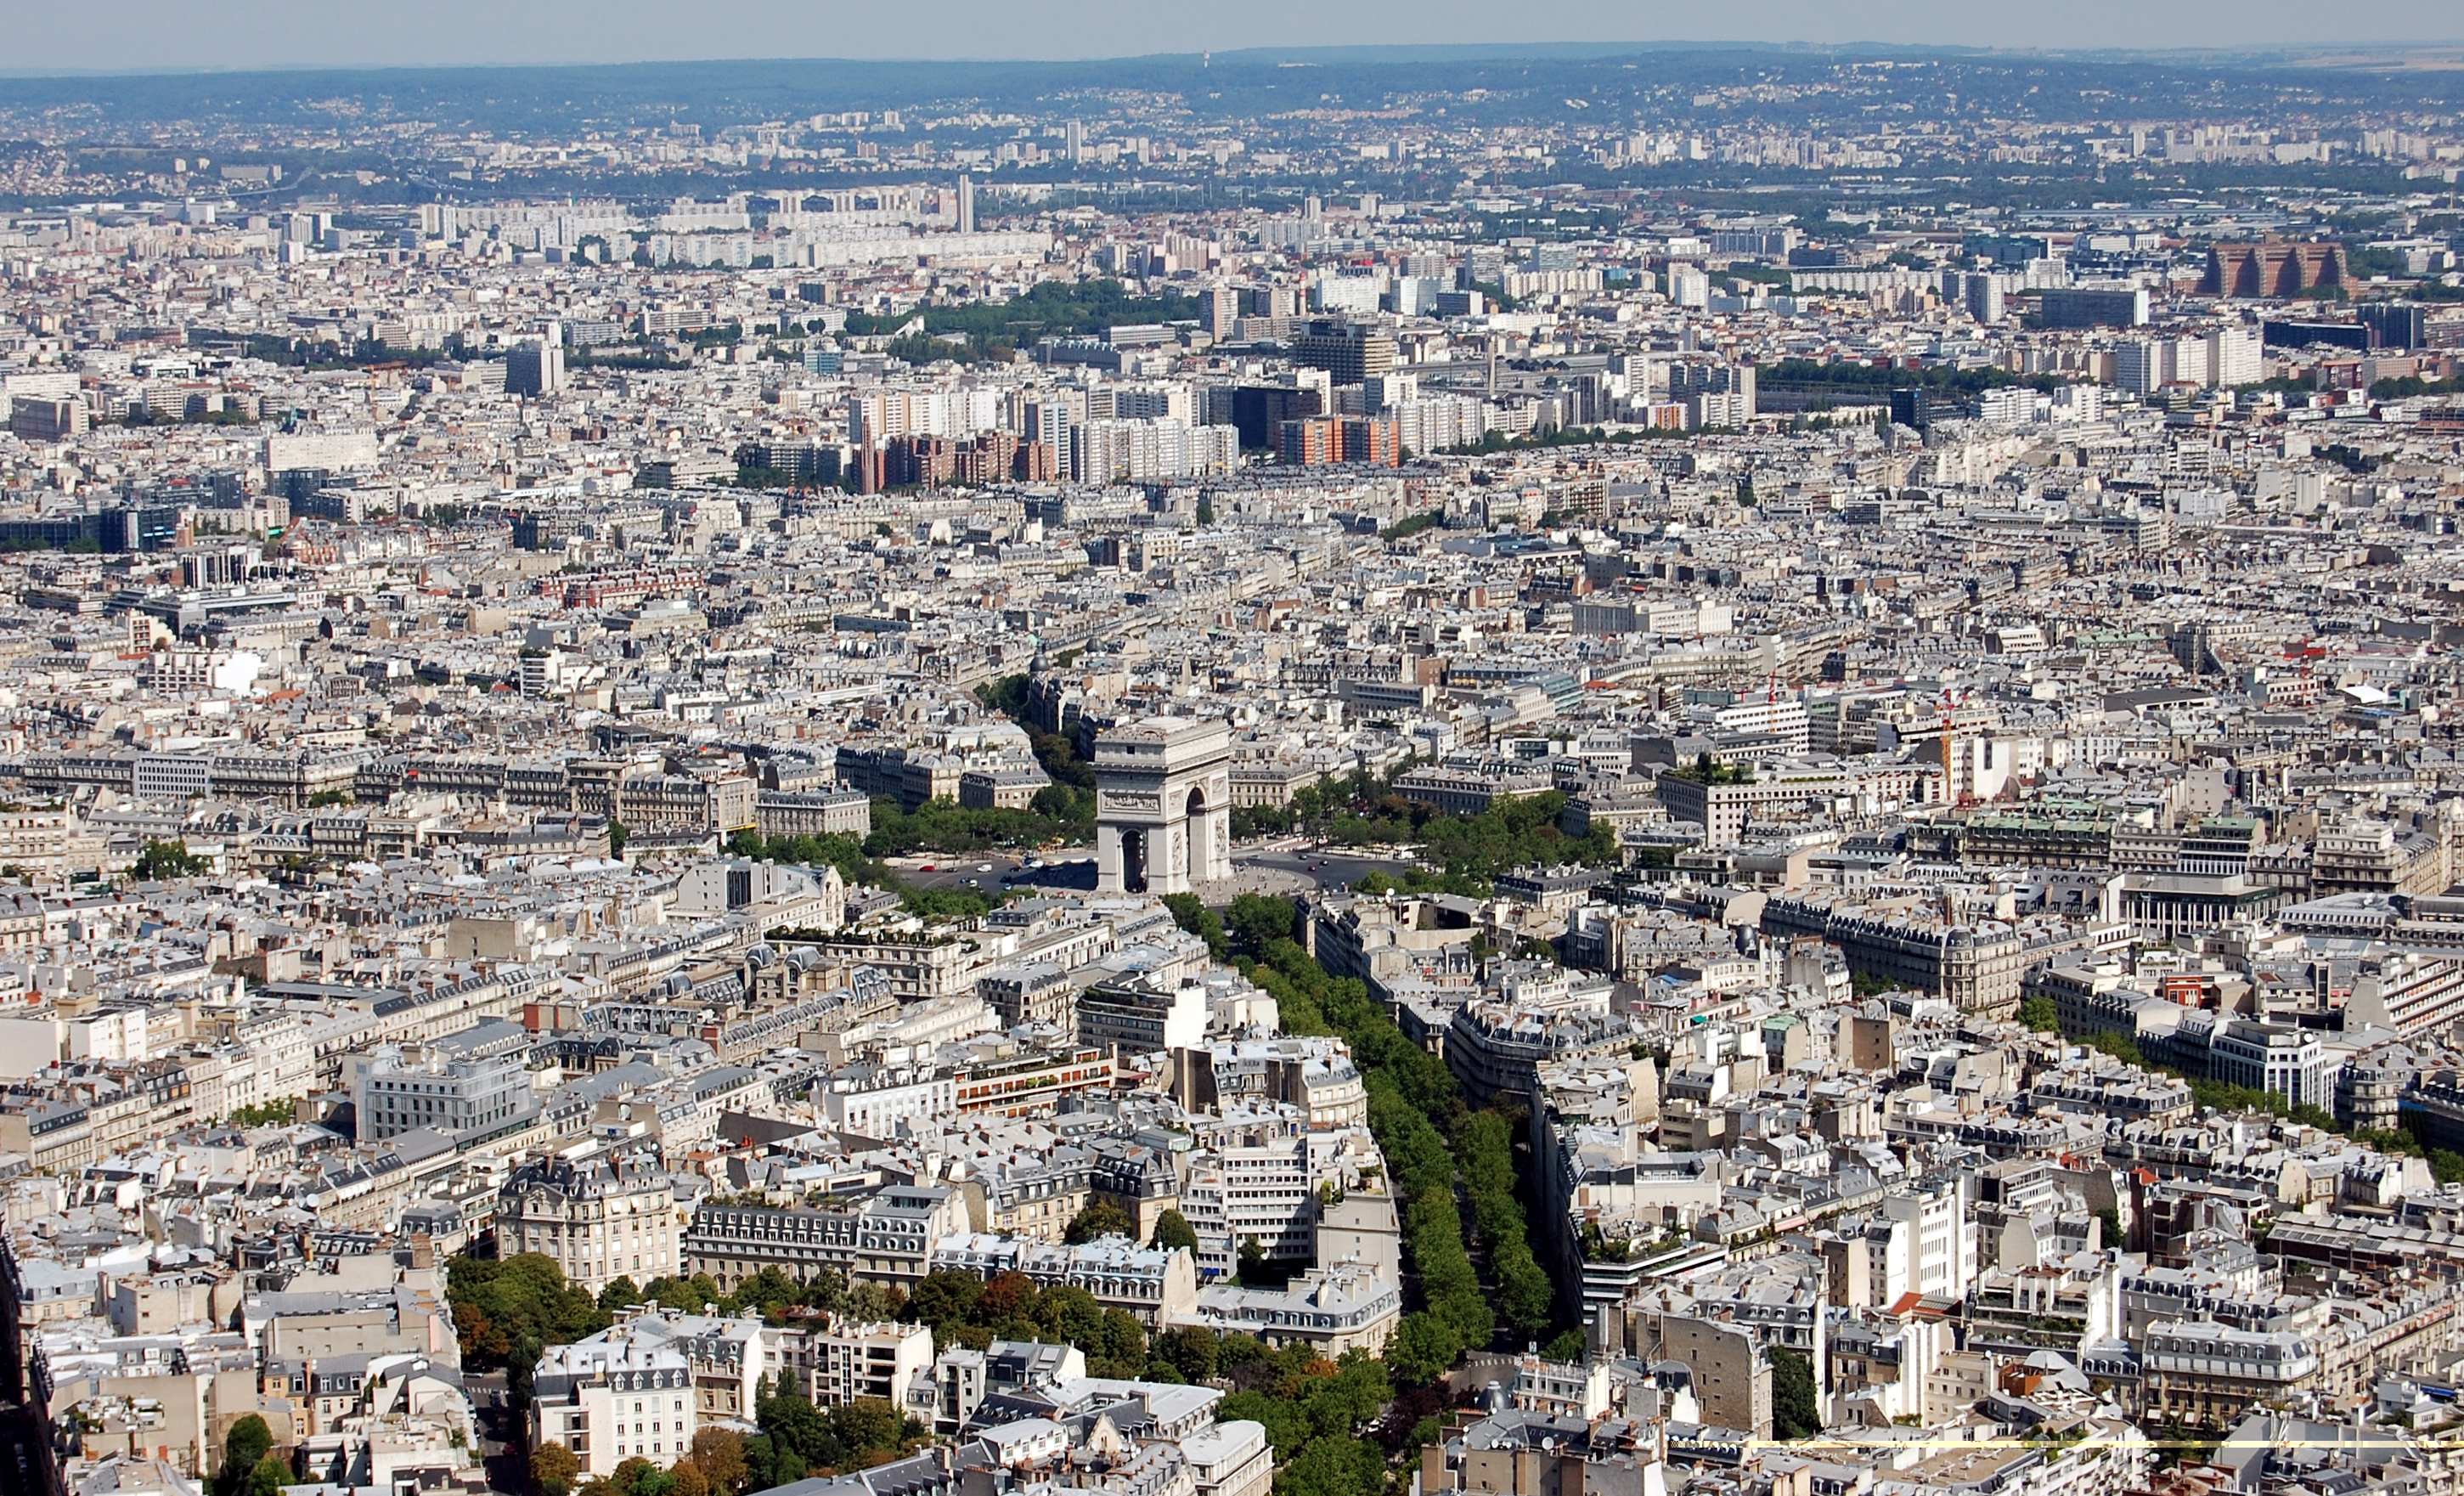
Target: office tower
[1074, 138]
[1983, 294]
[1912, 409]
[1218, 307]
[1275, 302]
[1348, 351]
[2393, 324]
[536, 368]
[2138, 366]
[1714, 378]
[2088, 306]
[34, 419]
[1415, 296]
[966, 205]
[1260, 411]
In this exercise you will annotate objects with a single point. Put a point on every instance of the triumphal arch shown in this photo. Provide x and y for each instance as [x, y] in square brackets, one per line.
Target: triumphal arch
[1163, 805]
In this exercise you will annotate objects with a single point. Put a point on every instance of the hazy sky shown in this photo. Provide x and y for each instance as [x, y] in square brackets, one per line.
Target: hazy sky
[239, 34]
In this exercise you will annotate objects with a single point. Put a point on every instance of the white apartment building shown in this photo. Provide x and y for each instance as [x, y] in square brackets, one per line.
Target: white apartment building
[1434, 423]
[1106, 451]
[37, 839]
[876, 416]
[2219, 359]
[283, 1047]
[1890, 1260]
[118, 1034]
[2235, 356]
[1164, 399]
[1335, 1309]
[1231, 1459]
[728, 1357]
[2013, 404]
[1152, 1283]
[612, 1398]
[846, 1361]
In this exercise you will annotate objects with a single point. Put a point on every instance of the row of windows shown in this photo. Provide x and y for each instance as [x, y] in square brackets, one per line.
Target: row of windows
[642, 1381]
[634, 1227]
[1309, 1321]
[699, 1240]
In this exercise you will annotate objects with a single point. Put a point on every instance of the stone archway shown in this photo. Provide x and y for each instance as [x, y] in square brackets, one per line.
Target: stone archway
[1163, 807]
[1194, 847]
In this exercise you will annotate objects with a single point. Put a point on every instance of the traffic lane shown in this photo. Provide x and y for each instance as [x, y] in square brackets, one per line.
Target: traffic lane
[964, 869]
[1069, 873]
[1074, 868]
[1327, 869]
[1066, 867]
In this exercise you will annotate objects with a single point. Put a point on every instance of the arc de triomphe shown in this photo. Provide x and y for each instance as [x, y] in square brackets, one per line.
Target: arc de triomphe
[1163, 805]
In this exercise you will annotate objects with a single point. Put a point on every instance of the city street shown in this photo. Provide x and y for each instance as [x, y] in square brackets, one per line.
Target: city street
[1315, 868]
[1289, 870]
[986, 870]
[504, 1445]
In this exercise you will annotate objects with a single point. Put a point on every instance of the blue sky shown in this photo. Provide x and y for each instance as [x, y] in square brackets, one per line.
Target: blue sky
[141, 35]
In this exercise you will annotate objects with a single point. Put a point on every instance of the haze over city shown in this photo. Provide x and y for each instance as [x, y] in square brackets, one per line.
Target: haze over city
[152, 35]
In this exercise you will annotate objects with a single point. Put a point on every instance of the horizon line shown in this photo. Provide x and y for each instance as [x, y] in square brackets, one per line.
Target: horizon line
[1366, 51]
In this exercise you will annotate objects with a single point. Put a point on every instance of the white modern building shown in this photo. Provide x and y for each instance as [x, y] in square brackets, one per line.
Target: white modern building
[882, 1102]
[1943, 1251]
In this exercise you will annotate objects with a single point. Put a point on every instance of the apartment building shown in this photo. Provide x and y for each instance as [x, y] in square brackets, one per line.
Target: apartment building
[601, 1217]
